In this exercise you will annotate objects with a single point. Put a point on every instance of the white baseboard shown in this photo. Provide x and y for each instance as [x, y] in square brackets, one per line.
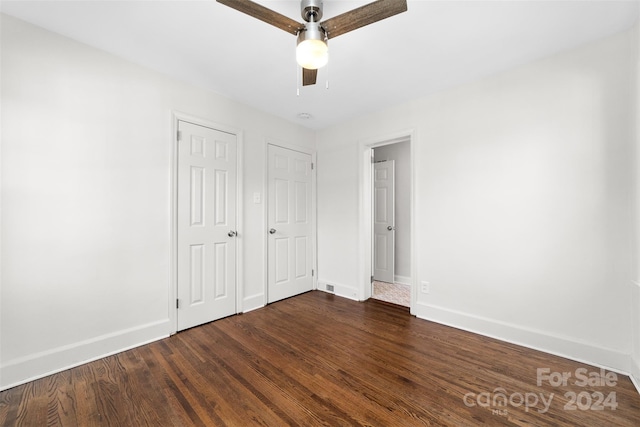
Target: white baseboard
[339, 289]
[32, 367]
[537, 340]
[348, 295]
[253, 302]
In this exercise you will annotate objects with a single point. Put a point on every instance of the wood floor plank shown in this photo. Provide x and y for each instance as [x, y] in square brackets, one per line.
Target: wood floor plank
[225, 398]
[320, 360]
[9, 405]
[32, 408]
[269, 398]
[293, 380]
[163, 396]
[384, 372]
[62, 407]
[320, 351]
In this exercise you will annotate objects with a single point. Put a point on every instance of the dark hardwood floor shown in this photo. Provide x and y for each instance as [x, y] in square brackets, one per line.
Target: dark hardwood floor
[316, 359]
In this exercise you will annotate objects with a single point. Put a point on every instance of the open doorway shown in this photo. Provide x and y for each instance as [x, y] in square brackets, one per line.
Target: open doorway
[391, 223]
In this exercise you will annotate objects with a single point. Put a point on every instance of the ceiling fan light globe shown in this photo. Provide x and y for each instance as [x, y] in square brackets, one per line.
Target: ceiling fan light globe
[312, 54]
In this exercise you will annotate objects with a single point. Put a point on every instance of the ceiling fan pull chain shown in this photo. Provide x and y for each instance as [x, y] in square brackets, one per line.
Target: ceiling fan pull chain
[327, 82]
[298, 72]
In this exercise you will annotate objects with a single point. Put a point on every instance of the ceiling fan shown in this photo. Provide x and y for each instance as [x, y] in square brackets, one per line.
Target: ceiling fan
[312, 51]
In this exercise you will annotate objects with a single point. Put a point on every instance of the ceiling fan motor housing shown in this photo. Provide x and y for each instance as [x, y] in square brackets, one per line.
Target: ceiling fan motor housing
[311, 10]
[312, 31]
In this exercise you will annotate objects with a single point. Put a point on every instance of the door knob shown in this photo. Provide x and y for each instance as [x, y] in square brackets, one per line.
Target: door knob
[272, 231]
[389, 228]
[232, 234]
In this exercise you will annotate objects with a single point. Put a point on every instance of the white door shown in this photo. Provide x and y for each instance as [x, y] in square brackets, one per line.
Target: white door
[290, 251]
[384, 221]
[206, 224]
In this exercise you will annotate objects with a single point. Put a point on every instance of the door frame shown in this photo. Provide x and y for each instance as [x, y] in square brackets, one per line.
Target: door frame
[265, 191]
[173, 268]
[366, 211]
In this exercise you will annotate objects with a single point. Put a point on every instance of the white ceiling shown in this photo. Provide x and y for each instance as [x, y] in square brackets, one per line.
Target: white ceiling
[433, 46]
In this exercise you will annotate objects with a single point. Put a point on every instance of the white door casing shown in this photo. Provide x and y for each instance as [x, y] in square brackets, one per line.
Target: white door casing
[384, 221]
[290, 223]
[206, 224]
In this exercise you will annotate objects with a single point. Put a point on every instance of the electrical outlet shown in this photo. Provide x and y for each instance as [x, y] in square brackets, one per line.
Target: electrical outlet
[425, 287]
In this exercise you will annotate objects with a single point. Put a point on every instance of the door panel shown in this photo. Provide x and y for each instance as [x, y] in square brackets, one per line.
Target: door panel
[206, 215]
[282, 260]
[384, 221]
[302, 243]
[221, 284]
[196, 274]
[290, 258]
[281, 201]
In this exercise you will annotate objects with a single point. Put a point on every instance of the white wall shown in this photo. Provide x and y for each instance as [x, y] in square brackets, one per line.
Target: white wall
[522, 209]
[86, 177]
[635, 282]
[401, 153]
[338, 219]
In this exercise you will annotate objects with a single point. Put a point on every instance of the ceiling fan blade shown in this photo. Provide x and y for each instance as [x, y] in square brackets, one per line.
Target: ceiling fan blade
[264, 14]
[309, 77]
[364, 15]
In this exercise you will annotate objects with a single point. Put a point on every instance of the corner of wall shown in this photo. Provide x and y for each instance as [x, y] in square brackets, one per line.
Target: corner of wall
[635, 283]
[635, 373]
